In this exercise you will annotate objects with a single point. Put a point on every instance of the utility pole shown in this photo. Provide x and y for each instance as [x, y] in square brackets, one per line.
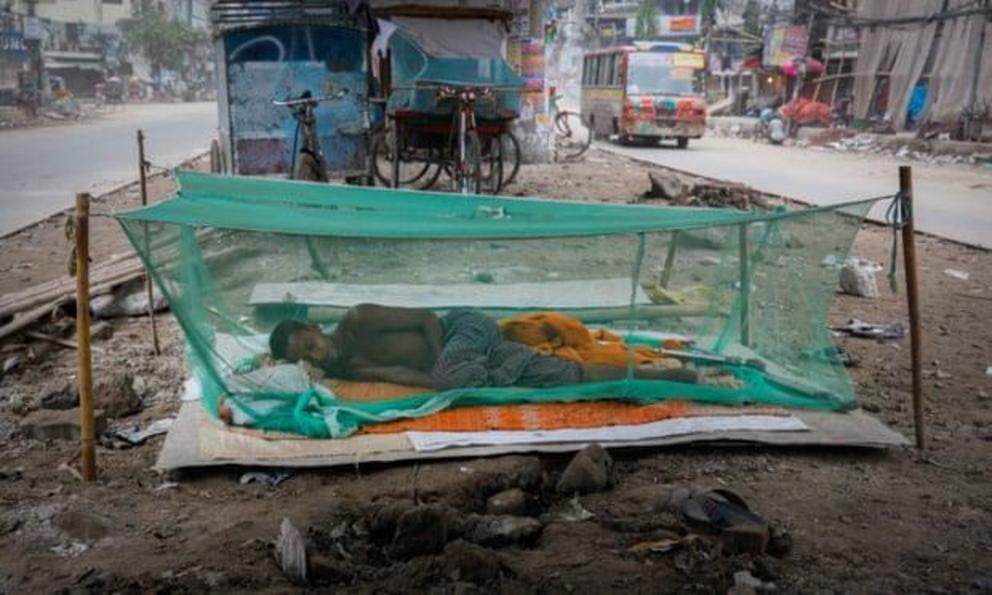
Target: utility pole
[37, 64]
[972, 97]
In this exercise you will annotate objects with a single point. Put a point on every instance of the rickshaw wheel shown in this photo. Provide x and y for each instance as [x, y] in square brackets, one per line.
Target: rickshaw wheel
[511, 157]
[380, 149]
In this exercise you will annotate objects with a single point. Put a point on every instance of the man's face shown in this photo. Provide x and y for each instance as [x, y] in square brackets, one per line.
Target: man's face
[312, 346]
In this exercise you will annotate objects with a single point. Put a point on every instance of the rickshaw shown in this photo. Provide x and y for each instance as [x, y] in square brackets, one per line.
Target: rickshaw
[446, 114]
[293, 86]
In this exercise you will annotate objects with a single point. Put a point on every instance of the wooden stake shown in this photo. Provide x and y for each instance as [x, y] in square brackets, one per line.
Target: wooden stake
[666, 272]
[84, 357]
[913, 297]
[142, 166]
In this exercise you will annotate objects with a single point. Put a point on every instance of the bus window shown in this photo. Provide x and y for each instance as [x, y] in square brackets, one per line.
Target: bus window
[656, 74]
[608, 75]
[617, 62]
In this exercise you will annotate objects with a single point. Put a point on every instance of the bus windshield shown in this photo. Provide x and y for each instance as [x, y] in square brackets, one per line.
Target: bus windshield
[660, 74]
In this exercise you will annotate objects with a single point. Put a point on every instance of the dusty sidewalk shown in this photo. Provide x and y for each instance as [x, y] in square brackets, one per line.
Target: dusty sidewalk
[860, 521]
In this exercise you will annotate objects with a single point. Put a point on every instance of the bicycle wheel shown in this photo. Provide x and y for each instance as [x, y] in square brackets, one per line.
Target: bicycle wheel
[381, 154]
[466, 178]
[491, 164]
[511, 157]
[572, 136]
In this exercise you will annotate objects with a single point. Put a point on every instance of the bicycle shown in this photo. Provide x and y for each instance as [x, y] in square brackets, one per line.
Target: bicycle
[311, 165]
[571, 136]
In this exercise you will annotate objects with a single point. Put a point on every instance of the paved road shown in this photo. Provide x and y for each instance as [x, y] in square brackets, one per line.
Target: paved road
[952, 201]
[42, 168]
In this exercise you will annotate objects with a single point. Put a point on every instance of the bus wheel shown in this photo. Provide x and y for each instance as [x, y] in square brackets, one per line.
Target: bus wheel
[682, 142]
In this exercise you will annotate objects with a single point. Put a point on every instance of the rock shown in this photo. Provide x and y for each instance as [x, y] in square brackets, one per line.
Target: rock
[464, 561]
[291, 552]
[666, 187]
[323, 569]
[384, 515]
[115, 395]
[422, 530]
[63, 397]
[83, 526]
[514, 501]
[501, 530]
[857, 278]
[483, 277]
[591, 470]
[101, 331]
[131, 299]
[59, 424]
[744, 578]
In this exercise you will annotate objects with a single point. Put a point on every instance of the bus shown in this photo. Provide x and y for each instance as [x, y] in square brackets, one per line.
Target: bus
[645, 92]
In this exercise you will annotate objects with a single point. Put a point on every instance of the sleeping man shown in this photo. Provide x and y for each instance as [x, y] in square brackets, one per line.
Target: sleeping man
[415, 347]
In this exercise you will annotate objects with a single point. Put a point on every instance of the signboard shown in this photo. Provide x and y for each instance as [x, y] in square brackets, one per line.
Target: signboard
[33, 28]
[675, 25]
[689, 60]
[784, 43]
[12, 45]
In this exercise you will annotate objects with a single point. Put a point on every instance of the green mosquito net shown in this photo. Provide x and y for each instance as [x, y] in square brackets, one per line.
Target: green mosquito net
[739, 297]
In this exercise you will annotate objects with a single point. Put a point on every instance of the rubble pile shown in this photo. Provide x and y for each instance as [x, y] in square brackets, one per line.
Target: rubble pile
[471, 538]
[703, 193]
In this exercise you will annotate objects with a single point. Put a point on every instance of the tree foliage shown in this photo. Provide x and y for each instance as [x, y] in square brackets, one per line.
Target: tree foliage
[646, 26]
[165, 43]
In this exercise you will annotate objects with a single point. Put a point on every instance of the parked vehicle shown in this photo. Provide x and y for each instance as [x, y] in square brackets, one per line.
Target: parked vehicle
[645, 92]
[284, 49]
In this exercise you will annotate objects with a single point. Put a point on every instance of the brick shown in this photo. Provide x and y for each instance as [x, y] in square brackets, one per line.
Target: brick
[59, 424]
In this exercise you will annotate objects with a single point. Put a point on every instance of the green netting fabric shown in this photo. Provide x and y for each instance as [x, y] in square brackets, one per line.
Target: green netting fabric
[236, 255]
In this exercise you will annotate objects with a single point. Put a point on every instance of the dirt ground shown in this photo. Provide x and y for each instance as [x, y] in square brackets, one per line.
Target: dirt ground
[902, 520]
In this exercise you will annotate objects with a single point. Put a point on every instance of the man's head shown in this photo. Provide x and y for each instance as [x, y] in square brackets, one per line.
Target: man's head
[293, 341]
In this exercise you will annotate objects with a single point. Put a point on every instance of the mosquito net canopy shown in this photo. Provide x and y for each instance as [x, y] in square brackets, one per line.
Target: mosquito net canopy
[735, 300]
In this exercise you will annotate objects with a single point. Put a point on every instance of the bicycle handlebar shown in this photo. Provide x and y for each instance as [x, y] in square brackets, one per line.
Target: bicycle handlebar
[312, 100]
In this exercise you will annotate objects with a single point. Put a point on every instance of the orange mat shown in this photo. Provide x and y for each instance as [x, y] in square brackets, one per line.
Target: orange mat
[557, 416]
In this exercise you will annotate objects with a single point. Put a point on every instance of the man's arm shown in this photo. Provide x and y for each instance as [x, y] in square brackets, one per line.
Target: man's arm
[393, 374]
[376, 318]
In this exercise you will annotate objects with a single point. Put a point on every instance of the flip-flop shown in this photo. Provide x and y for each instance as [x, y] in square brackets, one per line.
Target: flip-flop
[716, 509]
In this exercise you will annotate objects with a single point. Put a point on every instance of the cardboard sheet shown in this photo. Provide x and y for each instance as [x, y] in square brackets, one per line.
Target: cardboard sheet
[196, 440]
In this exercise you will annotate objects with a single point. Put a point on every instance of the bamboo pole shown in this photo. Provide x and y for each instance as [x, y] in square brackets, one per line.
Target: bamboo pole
[84, 358]
[142, 166]
[913, 297]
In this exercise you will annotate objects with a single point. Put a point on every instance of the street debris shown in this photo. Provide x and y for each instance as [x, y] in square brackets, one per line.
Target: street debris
[703, 193]
[130, 299]
[266, 478]
[136, 435]
[11, 473]
[291, 552]
[955, 273]
[857, 277]
[867, 330]
[501, 530]
[69, 550]
[574, 512]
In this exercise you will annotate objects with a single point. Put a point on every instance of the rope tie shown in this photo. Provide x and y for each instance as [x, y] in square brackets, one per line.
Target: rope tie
[896, 216]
